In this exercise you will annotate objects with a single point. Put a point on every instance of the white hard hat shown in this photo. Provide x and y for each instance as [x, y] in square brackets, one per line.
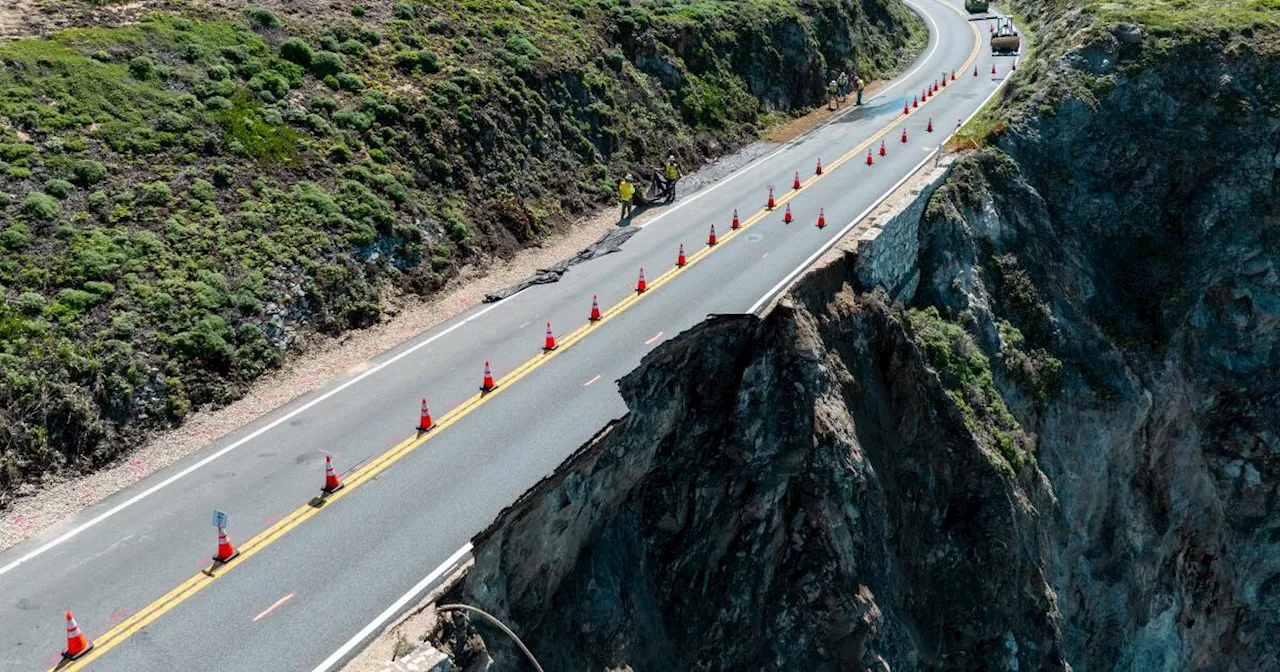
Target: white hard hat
[628, 177]
[671, 157]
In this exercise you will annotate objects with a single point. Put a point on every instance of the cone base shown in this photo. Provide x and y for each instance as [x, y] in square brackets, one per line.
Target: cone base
[549, 348]
[329, 491]
[593, 319]
[67, 655]
[227, 559]
[422, 429]
[488, 389]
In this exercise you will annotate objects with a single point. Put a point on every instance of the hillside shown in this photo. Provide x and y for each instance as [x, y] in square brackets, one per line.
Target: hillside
[189, 193]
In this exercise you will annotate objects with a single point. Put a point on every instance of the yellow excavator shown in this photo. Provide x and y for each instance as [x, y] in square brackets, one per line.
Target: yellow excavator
[1006, 39]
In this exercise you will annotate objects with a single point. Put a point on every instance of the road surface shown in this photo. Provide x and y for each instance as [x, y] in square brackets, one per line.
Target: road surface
[135, 568]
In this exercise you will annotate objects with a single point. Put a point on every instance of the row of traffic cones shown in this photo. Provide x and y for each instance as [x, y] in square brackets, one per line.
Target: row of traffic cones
[78, 645]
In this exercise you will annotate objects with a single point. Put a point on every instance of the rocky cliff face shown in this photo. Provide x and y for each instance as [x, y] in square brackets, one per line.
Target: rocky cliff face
[1061, 453]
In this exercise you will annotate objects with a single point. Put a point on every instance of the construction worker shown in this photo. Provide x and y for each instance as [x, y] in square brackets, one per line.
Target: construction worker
[672, 169]
[843, 83]
[626, 190]
[861, 85]
[832, 91]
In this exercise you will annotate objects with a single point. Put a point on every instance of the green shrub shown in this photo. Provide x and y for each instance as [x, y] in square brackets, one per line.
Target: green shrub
[15, 237]
[154, 193]
[31, 303]
[142, 68]
[98, 201]
[350, 82]
[325, 63]
[358, 11]
[60, 189]
[402, 11]
[40, 207]
[379, 156]
[296, 51]
[520, 44]
[353, 120]
[101, 56]
[202, 190]
[332, 82]
[87, 172]
[262, 18]
[217, 73]
[352, 47]
[324, 104]
[77, 299]
[217, 103]
[340, 152]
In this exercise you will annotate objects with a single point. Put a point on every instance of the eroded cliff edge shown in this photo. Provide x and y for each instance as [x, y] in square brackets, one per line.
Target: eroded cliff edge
[1055, 448]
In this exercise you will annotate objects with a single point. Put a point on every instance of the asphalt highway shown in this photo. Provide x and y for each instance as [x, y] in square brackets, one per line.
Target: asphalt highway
[135, 568]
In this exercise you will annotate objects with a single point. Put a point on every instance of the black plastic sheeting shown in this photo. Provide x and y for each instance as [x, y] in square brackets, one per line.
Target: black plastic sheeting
[609, 243]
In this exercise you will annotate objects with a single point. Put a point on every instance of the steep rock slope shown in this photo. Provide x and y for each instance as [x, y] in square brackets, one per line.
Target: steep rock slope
[786, 496]
[1061, 451]
[185, 196]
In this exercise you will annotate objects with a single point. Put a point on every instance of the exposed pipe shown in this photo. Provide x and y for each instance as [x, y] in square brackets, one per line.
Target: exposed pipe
[499, 624]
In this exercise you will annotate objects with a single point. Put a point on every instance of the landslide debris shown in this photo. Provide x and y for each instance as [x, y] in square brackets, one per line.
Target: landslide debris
[187, 194]
[1059, 453]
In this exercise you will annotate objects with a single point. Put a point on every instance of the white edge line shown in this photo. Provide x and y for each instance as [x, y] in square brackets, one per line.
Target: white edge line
[856, 220]
[898, 81]
[359, 638]
[259, 432]
[288, 416]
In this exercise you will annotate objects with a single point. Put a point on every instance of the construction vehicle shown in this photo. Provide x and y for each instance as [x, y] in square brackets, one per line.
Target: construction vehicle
[976, 6]
[1006, 39]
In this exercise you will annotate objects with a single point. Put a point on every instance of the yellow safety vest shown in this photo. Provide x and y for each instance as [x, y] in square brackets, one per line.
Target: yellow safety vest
[672, 171]
[626, 190]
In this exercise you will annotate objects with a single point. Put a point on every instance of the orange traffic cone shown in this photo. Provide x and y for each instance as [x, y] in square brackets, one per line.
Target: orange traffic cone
[883, 149]
[993, 68]
[77, 643]
[822, 218]
[906, 108]
[769, 206]
[680, 261]
[711, 239]
[904, 134]
[424, 419]
[818, 171]
[786, 218]
[870, 161]
[550, 343]
[226, 552]
[735, 224]
[935, 86]
[1015, 65]
[640, 286]
[915, 101]
[331, 482]
[929, 128]
[953, 74]
[595, 309]
[487, 385]
[944, 80]
[975, 71]
[991, 28]
[796, 183]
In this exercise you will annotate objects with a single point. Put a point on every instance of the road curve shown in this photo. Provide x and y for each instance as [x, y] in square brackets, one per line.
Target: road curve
[135, 568]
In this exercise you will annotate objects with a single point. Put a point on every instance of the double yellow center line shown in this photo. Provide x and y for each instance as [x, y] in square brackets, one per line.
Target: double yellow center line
[360, 475]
